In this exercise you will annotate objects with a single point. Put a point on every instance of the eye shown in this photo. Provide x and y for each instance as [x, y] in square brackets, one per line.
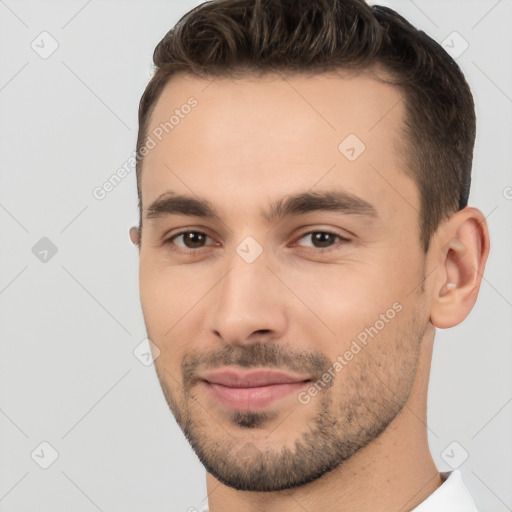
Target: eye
[322, 239]
[193, 241]
[189, 241]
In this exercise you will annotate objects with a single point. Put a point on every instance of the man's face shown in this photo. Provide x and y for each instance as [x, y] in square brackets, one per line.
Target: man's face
[289, 329]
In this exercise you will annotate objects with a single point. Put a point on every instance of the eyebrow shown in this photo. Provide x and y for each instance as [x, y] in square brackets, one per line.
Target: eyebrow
[306, 202]
[171, 203]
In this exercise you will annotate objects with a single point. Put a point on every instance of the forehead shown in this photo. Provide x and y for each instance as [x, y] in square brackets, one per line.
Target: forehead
[264, 136]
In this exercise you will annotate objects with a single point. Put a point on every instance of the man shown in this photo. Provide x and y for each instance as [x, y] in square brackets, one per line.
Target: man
[303, 177]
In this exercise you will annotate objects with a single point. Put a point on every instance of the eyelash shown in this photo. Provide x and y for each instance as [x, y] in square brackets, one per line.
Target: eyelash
[188, 251]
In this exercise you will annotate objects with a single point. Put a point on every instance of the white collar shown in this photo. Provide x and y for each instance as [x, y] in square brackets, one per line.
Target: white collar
[451, 496]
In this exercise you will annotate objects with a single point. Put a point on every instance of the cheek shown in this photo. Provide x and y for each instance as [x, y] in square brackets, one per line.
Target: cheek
[357, 306]
[380, 358]
[346, 297]
[166, 295]
[172, 302]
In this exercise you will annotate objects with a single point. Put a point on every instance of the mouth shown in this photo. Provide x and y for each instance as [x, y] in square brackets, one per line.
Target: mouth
[251, 390]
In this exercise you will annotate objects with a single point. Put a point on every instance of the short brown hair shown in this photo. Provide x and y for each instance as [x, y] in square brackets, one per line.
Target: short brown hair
[229, 38]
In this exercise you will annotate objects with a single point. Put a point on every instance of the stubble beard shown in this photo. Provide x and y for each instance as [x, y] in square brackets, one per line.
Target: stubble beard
[342, 424]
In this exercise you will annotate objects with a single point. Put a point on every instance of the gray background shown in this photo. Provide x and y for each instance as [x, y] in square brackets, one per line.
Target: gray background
[70, 321]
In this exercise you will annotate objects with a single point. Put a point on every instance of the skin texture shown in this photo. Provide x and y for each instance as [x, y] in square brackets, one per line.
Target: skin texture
[360, 443]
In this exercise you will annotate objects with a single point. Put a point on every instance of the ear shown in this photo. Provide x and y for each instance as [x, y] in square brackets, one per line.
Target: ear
[135, 235]
[462, 246]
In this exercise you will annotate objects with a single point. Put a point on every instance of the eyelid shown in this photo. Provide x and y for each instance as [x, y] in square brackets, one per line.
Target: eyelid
[169, 239]
[342, 239]
[324, 228]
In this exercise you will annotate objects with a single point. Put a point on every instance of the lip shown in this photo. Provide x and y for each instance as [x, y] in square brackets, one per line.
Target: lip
[251, 390]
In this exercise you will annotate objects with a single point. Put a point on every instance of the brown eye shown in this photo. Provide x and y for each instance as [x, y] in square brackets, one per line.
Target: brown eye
[321, 239]
[190, 239]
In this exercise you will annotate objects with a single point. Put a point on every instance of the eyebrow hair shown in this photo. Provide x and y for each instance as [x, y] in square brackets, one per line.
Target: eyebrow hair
[306, 202]
[171, 203]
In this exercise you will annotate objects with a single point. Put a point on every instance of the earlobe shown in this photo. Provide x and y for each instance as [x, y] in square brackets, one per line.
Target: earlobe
[135, 235]
[463, 248]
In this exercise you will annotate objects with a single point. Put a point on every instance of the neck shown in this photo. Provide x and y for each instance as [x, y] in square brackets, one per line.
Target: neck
[395, 472]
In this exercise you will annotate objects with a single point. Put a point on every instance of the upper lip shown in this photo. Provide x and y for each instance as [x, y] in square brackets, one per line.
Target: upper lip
[237, 378]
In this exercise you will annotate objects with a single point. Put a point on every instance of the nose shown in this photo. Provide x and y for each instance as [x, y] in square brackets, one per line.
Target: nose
[249, 303]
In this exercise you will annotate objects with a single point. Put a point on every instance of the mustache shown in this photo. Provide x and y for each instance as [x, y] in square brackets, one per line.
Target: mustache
[259, 354]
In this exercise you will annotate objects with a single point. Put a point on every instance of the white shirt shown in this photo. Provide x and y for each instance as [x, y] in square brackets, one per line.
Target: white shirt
[451, 496]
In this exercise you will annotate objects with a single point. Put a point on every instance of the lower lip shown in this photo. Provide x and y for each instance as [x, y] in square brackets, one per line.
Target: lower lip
[252, 399]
